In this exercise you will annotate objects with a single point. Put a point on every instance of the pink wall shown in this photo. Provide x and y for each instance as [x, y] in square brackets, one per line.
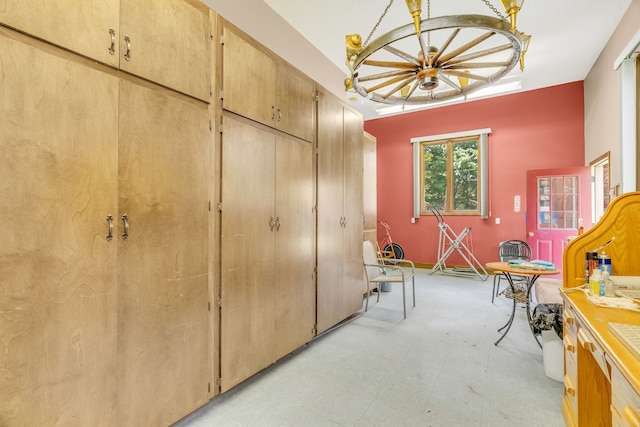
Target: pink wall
[538, 129]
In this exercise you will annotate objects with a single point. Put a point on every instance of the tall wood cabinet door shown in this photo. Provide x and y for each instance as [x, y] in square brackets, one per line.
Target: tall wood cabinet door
[164, 366]
[330, 193]
[247, 251]
[169, 43]
[295, 290]
[352, 238]
[295, 102]
[80, 26]
[58, 183]
[248, 78]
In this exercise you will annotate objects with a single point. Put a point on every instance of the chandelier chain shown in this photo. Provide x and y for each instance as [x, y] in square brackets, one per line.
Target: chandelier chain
[376, 26]
[428, 17]
[496, 11]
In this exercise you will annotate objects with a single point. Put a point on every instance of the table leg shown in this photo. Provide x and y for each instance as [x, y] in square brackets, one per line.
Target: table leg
[513, 310]
[528, 307]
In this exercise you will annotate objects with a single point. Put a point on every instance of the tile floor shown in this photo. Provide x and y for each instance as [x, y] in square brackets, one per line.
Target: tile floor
[439, 367]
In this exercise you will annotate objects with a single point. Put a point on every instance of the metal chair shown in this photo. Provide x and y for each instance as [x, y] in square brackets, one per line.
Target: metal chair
[510, 250]
[378, 270]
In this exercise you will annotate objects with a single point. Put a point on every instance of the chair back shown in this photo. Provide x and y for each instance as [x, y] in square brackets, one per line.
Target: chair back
[514, 249]
[369, 257]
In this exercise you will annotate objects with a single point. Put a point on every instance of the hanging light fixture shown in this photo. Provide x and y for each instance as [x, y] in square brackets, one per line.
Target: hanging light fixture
[435, 59]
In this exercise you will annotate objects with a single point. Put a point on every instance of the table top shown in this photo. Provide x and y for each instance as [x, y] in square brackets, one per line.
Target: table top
[504, 266]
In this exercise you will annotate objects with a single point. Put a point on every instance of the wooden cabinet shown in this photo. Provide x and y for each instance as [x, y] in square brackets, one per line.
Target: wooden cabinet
[267, 261]
[137, 36]
[100, 330]
[602, 382]
[58, 181]
[164, 369]
[87, 27]
[340, 220]
[602, 377]
[260, 86]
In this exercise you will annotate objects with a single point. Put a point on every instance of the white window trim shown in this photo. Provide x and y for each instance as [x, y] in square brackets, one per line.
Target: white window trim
[484, 167]
[626, 65]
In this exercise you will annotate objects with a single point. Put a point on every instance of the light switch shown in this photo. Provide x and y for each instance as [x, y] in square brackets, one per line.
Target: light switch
[497, 220]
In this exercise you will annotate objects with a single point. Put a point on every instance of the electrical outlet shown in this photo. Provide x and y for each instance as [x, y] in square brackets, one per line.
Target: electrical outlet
[497, 220]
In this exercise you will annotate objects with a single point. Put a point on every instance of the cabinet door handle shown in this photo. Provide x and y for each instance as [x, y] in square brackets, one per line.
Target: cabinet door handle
[273, 113]
[127, 54]
[272, 223]
[277, 223]
[279, 115]
[125, 221]
[110, 222]
[112, 48]
[586, 341]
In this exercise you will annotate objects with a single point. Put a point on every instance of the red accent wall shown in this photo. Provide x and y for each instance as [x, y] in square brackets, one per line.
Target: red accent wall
[538, 129]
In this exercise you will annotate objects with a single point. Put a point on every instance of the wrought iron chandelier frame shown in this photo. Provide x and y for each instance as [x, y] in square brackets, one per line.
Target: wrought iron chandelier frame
[457, 64]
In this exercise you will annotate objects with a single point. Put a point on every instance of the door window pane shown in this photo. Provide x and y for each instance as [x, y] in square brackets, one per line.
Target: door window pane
[558, 202]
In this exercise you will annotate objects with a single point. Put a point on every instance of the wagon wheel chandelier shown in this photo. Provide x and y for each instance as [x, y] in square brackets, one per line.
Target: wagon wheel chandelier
[436, 59]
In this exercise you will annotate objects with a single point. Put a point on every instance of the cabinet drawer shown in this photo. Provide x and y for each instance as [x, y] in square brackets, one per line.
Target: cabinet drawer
[586, 340]
[571, 368]
[569, 342]
[569, 321]
[625, 402]
[571, 394]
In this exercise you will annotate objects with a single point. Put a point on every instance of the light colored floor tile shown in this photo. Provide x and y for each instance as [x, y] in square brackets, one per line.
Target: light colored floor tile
[439, 367]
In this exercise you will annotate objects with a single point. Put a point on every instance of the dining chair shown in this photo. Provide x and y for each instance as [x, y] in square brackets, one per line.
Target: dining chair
[378, 271]
[508, 251]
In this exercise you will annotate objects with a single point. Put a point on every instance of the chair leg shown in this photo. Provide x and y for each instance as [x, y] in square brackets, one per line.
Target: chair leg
[366, 306]
[404, 299]
[413, 284]
[496, 287]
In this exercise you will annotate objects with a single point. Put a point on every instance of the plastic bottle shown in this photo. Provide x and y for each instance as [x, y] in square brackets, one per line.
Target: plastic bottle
[609, 290]
[601, 283]
[594, 281]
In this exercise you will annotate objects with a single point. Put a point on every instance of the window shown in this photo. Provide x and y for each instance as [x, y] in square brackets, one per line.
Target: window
[558, 202]
[451, 172]
[600, 187]
[450, 175]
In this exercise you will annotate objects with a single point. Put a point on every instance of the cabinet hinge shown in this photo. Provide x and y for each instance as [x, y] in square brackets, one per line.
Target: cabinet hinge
[208, 387]
[222, 39]
[317, 98]
[314, 330]
[220, 207]
[210, 125]
[219, 382]
[221, 93]
[220, 302]
[208, 305]
[220, 128]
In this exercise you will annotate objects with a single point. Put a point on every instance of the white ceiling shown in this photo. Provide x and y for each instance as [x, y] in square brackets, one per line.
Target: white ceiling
[567, 36]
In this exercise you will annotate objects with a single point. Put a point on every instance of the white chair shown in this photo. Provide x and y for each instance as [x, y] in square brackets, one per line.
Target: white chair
[380, 271]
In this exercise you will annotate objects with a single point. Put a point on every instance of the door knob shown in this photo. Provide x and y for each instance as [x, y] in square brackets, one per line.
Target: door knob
[531, 234]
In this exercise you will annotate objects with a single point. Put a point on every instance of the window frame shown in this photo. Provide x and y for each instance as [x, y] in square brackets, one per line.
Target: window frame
[480, 135]
[450, 144]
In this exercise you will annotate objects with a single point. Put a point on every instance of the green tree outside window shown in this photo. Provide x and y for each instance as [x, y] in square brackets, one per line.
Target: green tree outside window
[450, 170]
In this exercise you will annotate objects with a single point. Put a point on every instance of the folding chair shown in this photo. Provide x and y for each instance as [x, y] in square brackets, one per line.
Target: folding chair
[378, 271]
